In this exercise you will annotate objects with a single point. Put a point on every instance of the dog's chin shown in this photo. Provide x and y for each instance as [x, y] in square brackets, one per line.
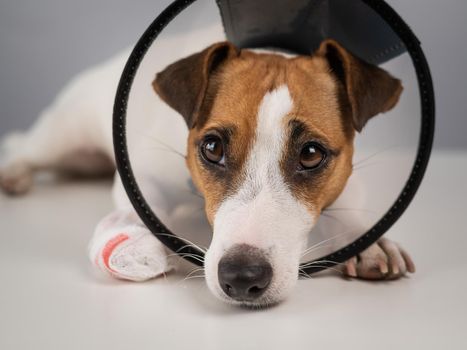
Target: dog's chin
[269, 299]
[259, 304]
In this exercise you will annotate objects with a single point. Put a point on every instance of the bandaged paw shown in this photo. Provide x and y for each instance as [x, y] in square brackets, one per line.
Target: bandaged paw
[129, 253]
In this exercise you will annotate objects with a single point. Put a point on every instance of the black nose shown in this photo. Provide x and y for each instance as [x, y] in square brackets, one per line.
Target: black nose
[244, 273]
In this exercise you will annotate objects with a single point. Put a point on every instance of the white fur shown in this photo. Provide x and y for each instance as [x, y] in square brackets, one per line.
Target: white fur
[264, 213]
[79, 123]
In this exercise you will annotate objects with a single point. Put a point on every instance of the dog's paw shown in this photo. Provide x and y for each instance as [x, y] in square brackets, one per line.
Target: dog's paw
[132, 253]
[383, 260]
[16, 178]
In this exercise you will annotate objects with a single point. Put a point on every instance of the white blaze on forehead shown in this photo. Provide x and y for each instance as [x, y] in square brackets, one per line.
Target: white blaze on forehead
[274, 107]
[263, 165]
[264, 212]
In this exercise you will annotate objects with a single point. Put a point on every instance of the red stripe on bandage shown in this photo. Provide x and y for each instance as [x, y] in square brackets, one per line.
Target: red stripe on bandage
[109, 248]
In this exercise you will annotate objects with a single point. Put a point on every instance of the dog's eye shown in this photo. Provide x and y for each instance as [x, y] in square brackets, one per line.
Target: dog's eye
[213, 150]
[312, 156]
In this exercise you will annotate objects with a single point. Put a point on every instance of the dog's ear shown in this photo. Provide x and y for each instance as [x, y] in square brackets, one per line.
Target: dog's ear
[369, 89]
[183, 84]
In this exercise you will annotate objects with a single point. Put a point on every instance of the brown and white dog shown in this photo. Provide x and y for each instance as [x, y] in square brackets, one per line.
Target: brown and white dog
[269, 147]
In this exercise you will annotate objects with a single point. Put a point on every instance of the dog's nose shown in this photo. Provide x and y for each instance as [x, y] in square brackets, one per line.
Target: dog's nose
[244, 273]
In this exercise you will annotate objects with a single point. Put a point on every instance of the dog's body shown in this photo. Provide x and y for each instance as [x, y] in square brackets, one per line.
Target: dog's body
[266, 157]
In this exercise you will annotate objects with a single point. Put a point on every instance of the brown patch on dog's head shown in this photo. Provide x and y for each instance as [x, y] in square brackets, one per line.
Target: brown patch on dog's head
[369, 89]
[183, 84]
[218, 92]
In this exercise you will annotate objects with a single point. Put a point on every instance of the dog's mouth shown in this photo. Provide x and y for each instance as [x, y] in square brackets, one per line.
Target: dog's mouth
[266, 297]
[259, 304]
[263, 301]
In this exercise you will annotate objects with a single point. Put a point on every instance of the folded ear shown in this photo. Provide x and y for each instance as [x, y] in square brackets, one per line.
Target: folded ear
[370, 90]
[183, 84]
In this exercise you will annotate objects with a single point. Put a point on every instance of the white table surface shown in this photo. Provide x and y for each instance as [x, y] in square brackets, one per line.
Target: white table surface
[51, 298]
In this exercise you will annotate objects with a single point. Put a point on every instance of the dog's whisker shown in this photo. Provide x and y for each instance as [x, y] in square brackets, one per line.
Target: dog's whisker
[315, 249]
[163, 150]
[319, 245]
[363, 166]
[188, 255]
[315, 246]
[360, 161]
[318, 263]
[193, 256]
[192, 272]
[184, 254]
[192, 277]
[350, 209]
[196, 270]
[173, 254]
[203, 249]
[327, 240]
[183, 247]
[303, 274]
[329, 268]
[329, 216]
[311, 263]
[166, 145]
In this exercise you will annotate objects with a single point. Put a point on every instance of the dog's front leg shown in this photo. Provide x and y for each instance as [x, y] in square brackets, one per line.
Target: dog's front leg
[123, 247]
[384, 259]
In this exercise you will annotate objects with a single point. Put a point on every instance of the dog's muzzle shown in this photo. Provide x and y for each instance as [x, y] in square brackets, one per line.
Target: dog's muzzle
[244, 273]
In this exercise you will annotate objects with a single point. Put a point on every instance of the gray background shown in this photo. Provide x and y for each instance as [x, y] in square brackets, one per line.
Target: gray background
[45, 43]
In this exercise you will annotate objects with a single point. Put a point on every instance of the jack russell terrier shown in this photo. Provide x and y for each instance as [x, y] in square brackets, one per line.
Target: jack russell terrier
[269, 147]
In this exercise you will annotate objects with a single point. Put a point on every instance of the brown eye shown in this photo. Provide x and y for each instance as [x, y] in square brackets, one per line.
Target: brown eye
[312, 156]
[213, 150]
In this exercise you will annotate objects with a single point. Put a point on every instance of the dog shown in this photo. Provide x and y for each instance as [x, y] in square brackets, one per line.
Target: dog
[269, 144]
